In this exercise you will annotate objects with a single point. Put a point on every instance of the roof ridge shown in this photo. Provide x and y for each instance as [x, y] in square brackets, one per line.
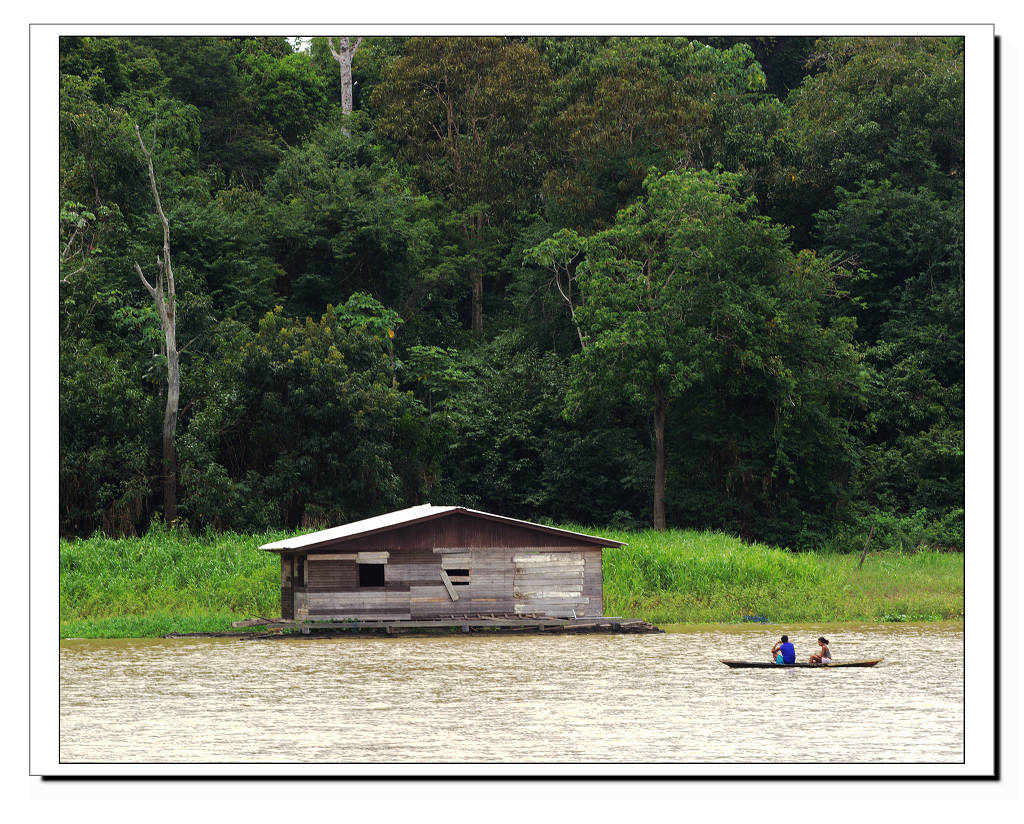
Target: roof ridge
[411, 515]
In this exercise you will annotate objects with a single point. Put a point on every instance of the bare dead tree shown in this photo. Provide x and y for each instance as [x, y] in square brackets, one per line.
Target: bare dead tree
[162, 292]
[565, 269]
[343, 54]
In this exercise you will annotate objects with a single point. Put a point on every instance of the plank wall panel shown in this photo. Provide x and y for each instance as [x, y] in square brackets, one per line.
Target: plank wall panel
[463, 530]
[425, 573]
[343, 601]
[549, 583]
[333, 556]
[331, 576]
[395, 613]
[462, 608]
[502, 558]
[593, 582]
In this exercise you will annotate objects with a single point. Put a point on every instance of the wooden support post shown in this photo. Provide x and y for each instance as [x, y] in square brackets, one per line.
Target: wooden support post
[448, 585]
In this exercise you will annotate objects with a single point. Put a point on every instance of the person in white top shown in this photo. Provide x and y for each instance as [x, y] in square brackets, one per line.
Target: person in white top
[823, 657]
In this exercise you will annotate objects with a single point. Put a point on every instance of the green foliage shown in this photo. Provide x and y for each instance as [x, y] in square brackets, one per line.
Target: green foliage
[98, 153]
[901, 533]
[508, 448]
[315, 427]
[458, 109]
[814, 374]
[341, 219]
[692, 298]
[883, 105]
[286, 92]
[781, 58]
[877, 108]
[369, 63]
[905, 239]
[108, 426]
[877, 137]
[223, 241]
[203, 72]
[635, 103]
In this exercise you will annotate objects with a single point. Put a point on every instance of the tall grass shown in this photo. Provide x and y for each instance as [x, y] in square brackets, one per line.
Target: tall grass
[172, 582]
[708, 577]
[165, 582]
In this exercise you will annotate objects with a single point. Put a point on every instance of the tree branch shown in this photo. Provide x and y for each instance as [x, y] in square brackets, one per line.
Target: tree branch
[184, 348]
[74, 234]
[149, 288]
[163, 220]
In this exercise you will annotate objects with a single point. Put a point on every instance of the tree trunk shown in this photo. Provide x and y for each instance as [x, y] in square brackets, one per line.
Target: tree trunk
[344, 54]
[163, 294]
[478, 304]
[473, 229]
[169, 431]
[660, 406]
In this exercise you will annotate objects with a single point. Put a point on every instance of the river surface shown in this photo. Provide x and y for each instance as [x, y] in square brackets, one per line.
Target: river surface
[588, 699]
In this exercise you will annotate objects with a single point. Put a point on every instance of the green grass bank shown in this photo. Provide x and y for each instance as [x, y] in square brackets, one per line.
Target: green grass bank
[689, 577]
[169, 582]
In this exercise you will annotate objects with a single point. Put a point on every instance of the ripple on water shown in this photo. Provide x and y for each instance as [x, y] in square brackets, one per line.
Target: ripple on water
[630, 698]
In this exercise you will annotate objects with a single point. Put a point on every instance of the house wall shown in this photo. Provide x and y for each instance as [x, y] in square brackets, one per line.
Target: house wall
[557, 580]
[287, 597]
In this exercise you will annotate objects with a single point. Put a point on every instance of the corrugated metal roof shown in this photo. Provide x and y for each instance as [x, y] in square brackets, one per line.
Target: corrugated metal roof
[378, 522]
[411, 515]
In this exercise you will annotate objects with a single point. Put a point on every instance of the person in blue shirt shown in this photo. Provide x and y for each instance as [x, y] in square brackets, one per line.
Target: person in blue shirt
[784, 652]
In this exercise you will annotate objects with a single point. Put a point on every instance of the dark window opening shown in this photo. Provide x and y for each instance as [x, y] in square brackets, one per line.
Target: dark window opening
[459, 577]
[371, 575]
[300, 571]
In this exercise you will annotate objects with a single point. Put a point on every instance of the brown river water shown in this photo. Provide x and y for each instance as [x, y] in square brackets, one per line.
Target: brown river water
[587, 699]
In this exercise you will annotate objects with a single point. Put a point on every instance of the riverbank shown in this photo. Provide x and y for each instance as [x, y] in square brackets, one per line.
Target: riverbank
[686, 577]
[167, 582]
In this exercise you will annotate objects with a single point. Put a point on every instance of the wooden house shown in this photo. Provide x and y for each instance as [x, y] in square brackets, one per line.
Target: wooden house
[439, 562]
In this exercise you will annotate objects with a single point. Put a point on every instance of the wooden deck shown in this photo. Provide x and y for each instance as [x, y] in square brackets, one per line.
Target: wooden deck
[382, 625]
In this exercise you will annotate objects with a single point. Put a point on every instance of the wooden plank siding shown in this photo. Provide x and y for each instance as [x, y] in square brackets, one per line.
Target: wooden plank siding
[287, 603]
[333, 576]
[287, 591]
[512, 570]
[459, 531]
[499, 582]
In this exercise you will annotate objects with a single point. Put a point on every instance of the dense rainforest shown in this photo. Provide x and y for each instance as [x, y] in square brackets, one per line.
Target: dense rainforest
[712, 284]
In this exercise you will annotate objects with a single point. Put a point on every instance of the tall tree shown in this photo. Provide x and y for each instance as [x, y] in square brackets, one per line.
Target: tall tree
[344, 53]
[459, 109]
[689, 288]
[162, 290]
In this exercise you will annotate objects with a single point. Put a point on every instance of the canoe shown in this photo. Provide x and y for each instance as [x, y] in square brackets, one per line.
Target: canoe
[771, 665]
